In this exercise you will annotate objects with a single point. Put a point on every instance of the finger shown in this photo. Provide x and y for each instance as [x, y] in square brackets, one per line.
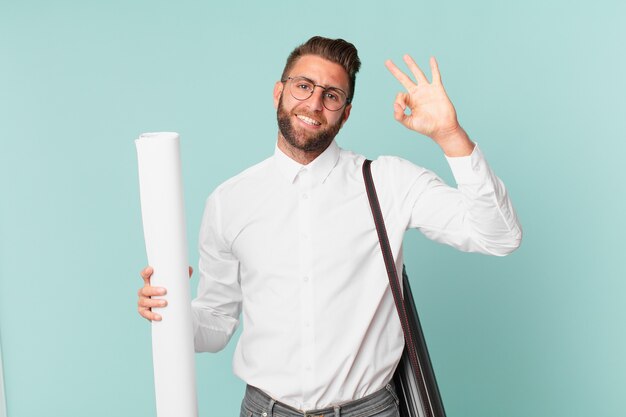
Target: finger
[149, 291]
[434, 68]
[147, 314]
[190, 271]
[398, 112]
[151, 302]
[400, 76]
[146, 273]
[399, 107]
[401, 100]
[417, 72]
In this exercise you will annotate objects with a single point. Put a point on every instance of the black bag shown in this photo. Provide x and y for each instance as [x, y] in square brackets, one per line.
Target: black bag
[414, 378]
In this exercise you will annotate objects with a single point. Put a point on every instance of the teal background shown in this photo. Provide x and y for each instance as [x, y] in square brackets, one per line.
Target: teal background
[538, 84]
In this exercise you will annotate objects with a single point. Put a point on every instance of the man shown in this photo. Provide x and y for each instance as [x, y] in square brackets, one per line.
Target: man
[291, 242]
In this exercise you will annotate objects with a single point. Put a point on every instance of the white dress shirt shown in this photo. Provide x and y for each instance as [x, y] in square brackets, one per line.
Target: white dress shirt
[294, 247]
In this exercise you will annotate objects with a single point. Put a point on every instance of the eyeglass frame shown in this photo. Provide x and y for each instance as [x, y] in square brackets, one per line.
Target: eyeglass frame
[348, 98]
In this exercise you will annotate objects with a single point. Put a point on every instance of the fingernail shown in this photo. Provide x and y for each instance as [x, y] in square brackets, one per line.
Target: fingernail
[157, 317]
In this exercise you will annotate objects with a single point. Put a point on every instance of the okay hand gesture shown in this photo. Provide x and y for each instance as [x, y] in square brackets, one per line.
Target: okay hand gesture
[431, 111]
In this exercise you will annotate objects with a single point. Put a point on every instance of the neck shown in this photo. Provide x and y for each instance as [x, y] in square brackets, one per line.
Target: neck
[300, 156]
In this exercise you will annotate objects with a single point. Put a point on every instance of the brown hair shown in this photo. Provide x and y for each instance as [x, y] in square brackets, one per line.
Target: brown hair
[338, 51]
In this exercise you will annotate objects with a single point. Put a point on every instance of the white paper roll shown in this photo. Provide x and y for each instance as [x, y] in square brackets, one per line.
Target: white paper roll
[163, 214]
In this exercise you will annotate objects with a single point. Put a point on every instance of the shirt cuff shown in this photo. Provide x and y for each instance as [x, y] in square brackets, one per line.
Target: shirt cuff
[468, 169]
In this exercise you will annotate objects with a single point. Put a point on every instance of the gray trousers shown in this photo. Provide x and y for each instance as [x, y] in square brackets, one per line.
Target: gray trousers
[382, 403]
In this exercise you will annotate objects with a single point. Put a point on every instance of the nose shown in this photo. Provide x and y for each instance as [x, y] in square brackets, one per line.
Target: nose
[315, 102]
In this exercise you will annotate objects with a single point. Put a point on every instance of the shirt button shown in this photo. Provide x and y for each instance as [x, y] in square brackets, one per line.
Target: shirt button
[306, 279]
[305, 196]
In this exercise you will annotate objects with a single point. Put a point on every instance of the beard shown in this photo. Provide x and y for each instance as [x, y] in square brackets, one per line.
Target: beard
[301, 139]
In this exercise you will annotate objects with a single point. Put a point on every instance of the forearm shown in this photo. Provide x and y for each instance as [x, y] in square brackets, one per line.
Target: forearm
[217, 307]
[488, 216]
[476, 216]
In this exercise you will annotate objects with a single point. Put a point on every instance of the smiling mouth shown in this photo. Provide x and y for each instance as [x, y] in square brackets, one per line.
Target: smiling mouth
[308, 120]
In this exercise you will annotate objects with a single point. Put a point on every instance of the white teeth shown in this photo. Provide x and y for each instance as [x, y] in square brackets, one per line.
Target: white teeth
[308, 120]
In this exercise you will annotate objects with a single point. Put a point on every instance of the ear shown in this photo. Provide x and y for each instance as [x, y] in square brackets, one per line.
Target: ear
[278, 90]
[346, 114]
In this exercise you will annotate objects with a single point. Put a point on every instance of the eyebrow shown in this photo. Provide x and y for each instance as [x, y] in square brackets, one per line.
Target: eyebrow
[332, 87]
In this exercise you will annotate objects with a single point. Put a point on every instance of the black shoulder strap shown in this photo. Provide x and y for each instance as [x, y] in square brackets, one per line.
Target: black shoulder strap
[414, 343]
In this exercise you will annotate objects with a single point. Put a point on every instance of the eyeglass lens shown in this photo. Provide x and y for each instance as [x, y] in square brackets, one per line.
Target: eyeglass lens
[302, 88]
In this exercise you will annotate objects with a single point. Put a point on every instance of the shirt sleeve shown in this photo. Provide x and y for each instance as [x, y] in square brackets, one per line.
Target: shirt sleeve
[217, 307]
[477, 216]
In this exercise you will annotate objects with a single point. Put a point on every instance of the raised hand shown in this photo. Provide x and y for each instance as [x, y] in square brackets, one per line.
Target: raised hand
[431, 111]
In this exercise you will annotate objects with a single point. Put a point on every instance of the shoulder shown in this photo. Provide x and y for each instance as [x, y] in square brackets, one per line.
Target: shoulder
[396, 168]
[350, 159]
[233, 194]
[245, 181]
[385, 168]
[400, 183]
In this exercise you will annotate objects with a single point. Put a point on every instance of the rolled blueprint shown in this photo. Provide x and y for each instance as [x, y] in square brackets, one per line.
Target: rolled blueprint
[162, 212]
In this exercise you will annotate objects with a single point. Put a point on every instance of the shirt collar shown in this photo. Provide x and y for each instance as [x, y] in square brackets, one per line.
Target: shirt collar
[320, 168]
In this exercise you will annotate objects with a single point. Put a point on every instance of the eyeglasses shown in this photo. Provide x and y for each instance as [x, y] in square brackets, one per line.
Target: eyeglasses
[301, 88]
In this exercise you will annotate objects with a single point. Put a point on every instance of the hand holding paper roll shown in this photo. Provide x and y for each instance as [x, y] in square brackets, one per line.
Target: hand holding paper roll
[146, 303]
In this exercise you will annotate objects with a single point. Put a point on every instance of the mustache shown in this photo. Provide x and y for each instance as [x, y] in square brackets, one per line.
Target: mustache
[319, 116]
[313, 115]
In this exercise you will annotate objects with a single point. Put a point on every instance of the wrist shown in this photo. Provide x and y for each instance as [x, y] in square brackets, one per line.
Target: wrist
[455, 143]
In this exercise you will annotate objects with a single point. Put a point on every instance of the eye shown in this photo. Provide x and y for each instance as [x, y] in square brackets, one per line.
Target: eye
[304, 86]
[331, 96]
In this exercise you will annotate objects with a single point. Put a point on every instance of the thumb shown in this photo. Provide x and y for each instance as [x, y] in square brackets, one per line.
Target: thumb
[399, 108]
[398, 112]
